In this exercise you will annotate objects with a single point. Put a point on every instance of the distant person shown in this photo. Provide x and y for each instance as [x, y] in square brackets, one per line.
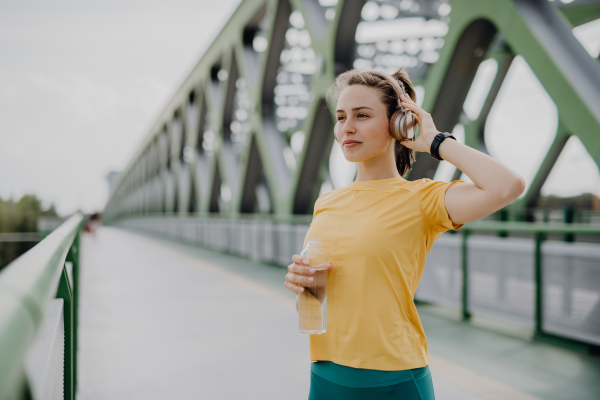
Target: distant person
[93, 221]
[377, 232]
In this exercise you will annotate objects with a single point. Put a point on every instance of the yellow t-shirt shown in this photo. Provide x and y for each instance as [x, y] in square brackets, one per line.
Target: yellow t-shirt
[377, 234]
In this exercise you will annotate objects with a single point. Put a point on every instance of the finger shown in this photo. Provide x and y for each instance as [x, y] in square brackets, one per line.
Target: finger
[407, 99]
[293, 288]
[327, 266]
[301, 269]
[295, 278]
[299, 260]
[413, 107]
[408, 144]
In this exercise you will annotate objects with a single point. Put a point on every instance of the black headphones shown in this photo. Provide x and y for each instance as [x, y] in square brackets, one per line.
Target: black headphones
[403, 121]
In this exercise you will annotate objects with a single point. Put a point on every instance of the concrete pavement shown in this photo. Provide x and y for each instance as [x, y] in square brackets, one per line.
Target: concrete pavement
[162, 320]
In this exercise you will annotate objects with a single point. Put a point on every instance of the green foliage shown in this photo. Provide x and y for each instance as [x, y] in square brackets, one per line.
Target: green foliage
[20, 216]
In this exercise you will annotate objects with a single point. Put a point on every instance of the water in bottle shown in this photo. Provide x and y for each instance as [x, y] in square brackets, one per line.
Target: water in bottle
[312, 305]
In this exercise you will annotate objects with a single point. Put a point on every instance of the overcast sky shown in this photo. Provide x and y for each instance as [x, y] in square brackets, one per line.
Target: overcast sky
[81, 84]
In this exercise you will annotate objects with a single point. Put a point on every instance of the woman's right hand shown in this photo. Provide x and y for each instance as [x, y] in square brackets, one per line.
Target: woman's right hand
[300, 273]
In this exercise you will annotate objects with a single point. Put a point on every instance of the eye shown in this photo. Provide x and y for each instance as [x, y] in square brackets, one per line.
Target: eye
[361, 115]
[340, 117]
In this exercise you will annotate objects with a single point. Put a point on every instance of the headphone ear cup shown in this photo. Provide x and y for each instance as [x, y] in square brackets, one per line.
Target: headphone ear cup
[394, 125]
[408, 124]
[402, 125]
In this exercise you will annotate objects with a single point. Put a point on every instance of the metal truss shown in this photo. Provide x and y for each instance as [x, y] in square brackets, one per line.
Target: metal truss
[250, 129]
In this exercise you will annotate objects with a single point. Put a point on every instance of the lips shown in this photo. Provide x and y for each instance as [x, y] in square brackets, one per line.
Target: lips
[351, 143]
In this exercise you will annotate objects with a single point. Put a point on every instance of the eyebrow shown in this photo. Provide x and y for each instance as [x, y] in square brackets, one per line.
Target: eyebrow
[355, 108]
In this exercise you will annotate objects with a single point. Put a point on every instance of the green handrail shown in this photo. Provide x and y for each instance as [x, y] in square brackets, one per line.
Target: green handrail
[26, 287]
[540, 231]
[532, 227]
[259, 217]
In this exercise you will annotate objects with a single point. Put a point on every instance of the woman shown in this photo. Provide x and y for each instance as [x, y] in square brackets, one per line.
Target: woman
[377, 232]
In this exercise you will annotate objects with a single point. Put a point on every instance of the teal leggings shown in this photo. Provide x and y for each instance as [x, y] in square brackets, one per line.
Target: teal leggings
[416, 387]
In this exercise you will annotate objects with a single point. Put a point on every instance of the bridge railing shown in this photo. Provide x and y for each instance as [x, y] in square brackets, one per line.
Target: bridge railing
[38, 305]
[550, 286]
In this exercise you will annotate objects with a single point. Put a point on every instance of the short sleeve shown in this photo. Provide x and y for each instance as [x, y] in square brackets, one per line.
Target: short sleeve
[316, 209]
[432, 196]
[318, 202]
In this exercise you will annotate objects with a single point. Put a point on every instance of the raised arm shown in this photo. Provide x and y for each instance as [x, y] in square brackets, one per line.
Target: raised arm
[494, 185]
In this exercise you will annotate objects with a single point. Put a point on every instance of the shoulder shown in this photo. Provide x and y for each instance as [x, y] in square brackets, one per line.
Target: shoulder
[327, 196]
[426, 184]
[430, 191]
[331, 196]
[422, 184]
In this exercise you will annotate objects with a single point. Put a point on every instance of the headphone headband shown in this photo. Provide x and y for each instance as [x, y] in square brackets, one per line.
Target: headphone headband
[392, 82]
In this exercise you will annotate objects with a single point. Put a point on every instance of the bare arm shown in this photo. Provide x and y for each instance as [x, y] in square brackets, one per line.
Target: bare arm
[494, 185]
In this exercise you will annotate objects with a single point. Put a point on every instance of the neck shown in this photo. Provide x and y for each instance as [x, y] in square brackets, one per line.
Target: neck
[379, 167]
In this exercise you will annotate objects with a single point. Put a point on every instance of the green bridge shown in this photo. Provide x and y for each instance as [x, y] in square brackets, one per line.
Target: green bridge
[180, 294]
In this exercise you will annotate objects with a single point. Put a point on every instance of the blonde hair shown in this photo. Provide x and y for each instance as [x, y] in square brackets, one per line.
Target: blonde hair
[404, 156]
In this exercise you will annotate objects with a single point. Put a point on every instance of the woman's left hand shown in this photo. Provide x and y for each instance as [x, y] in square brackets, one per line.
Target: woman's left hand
[427, 129]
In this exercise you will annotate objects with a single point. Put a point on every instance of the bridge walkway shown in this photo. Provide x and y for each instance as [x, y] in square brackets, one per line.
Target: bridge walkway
[160, 319]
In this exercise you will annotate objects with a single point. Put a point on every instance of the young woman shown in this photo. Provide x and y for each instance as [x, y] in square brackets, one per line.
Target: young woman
[377, 232]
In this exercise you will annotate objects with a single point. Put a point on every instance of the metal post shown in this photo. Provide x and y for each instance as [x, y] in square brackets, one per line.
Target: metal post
[466, 315]
[75, 286]
[539, 289]
[503, 214]
[569, 212]
[64, 292]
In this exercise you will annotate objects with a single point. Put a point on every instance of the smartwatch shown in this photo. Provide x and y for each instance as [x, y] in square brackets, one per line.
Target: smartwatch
[435, 145]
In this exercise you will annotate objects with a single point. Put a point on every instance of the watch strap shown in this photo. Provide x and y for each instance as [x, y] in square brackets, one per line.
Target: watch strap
[435, 145]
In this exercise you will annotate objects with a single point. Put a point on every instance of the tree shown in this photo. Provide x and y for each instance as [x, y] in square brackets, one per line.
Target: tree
[21, 216]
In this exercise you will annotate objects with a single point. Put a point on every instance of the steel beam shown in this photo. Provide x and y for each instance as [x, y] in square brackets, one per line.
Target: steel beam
[205, 103]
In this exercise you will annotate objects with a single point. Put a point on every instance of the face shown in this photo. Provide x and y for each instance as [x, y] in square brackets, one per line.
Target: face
[362, 128]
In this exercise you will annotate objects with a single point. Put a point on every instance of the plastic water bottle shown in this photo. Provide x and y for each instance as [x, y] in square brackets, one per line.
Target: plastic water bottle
[312, 305]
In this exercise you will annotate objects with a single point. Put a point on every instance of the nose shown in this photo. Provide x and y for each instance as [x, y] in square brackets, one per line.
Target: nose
[348, 126]
[342, 128]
